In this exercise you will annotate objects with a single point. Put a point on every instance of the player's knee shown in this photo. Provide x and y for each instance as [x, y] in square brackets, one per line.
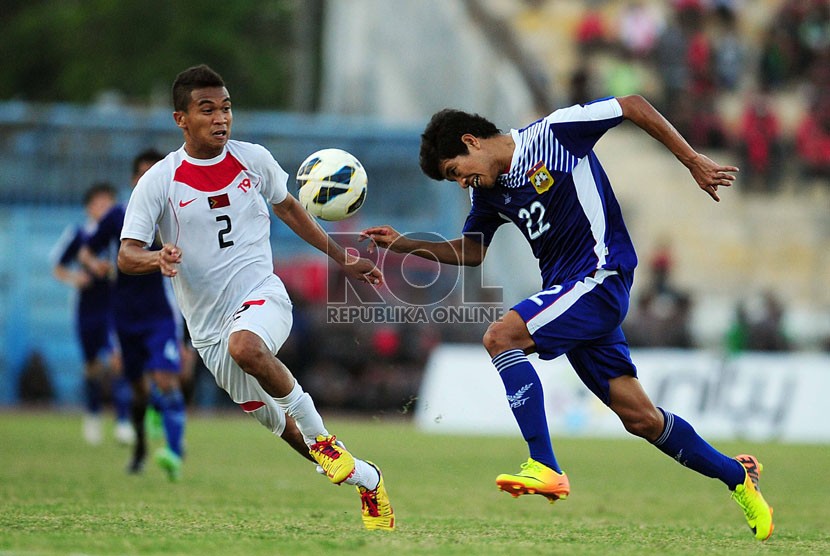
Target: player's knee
[499, 338]
[493, 339]
[166, 381]
[644, 424]
[247, 350]
[502, 336]
[250, 353]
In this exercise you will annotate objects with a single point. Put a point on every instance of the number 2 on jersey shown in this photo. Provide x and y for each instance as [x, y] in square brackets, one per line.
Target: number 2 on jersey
[537, 297]
[535, 223]
[223, 242]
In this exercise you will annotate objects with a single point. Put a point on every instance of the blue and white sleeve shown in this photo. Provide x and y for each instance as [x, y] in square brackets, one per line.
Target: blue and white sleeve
[579, 127]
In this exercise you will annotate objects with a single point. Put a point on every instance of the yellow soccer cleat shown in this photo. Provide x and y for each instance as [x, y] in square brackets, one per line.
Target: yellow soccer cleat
[375, 506]
[748, 496]
[535, 478]
[335, 460]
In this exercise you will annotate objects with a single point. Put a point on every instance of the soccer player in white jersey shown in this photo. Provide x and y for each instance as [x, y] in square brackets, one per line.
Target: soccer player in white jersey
[546, 179]
[210, 200]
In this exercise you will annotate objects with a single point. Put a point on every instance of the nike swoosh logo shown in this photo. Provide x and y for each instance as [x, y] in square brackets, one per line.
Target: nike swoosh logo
[185, 203]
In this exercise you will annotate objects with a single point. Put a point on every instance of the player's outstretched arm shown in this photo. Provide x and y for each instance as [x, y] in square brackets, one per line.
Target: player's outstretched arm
[708, 174]
[460, 251]
[303, 224]
[133, 258]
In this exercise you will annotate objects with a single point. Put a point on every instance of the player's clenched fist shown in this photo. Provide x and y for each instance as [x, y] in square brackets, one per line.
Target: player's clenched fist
[169, 256]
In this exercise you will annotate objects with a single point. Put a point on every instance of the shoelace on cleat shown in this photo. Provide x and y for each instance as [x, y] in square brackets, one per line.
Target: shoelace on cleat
[742, 499]
[326, 448]
[370, 502]
[530, 466]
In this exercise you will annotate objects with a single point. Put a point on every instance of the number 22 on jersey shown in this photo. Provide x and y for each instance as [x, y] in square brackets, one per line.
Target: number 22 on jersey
[534, 220]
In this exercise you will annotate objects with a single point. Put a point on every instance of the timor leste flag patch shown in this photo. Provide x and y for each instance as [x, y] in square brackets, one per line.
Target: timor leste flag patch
[219, 201]
[540, 177]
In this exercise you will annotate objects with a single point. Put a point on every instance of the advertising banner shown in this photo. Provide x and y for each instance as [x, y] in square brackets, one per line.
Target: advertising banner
[752, 396]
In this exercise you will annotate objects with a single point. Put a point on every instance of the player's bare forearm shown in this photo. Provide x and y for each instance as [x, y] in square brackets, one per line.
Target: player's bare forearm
[75, 278]
[301, 223]
[306, 227]
[708, 174]
[460, 251]
[640, 111]
[133, 258]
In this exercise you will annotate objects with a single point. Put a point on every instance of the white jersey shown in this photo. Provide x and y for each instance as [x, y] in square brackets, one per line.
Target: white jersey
[215, 211]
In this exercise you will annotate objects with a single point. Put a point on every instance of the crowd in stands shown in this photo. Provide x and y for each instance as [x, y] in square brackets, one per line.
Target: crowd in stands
[721, 80]
[660, 314]
[660, 317]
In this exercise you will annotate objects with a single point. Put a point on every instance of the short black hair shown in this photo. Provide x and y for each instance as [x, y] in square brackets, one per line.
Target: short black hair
[441, 139]
[196, 77]
[149, 155]
[99, 188]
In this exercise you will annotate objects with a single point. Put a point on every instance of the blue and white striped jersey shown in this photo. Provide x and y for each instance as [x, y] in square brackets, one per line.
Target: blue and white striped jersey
[559, 196]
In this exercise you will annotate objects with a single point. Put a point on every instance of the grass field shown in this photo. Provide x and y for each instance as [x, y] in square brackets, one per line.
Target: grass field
[244, 492]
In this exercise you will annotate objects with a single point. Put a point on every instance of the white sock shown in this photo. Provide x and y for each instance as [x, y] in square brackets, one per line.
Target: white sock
[365, 475]
[299, 405]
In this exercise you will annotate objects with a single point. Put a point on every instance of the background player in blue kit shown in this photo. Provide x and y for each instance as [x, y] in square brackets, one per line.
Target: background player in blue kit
[149, 332]
[93, 321]
[546, 179]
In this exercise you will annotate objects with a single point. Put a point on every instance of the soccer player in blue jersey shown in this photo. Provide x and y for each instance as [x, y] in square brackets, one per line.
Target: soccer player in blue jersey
[93, 320]
[149, 333]
[546, 179]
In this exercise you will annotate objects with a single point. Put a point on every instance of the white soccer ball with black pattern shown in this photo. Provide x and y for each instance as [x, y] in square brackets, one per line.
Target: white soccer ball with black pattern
[332, 184]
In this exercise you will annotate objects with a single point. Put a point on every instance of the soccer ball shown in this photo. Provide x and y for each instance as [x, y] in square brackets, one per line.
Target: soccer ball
[332, 184]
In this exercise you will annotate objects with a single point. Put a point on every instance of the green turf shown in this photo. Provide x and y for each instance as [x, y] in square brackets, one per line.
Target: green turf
[246, 493]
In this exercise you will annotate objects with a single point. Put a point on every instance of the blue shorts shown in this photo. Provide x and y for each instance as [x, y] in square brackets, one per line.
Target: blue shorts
[95, 336]
[582, 319]
[155, 348]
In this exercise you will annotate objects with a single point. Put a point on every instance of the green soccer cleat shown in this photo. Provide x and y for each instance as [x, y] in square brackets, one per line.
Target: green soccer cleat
[170, 462]
[535, 478]
[748, 496]
[375, 506]
[335, 460]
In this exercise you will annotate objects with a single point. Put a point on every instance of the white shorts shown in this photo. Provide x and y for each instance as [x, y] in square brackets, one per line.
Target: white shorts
[266, 312]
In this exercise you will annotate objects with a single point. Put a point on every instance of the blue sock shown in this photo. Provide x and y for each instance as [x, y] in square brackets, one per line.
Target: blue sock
[122, 397]
[92, 393]
[527, 401]
[173, 417]
[680, 441]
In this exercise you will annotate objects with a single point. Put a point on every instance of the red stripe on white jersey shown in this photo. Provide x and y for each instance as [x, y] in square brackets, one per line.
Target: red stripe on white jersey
[248, 407]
